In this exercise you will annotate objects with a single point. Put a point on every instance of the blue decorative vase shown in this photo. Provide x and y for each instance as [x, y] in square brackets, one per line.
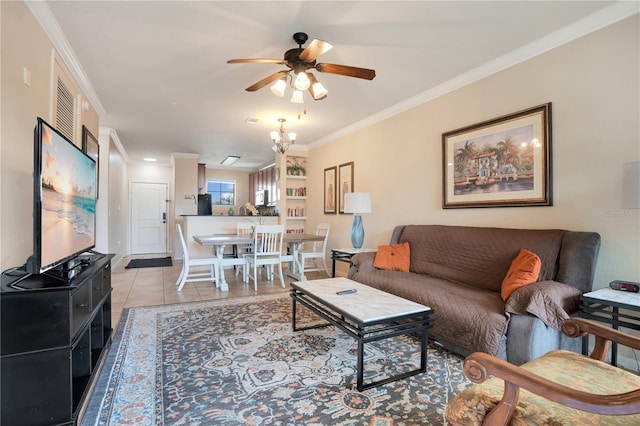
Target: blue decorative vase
[357, 232]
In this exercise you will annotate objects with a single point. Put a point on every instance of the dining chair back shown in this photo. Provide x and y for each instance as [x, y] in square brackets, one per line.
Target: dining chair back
[267, 251]
[189, 261]
[317, 251]
[243, 229]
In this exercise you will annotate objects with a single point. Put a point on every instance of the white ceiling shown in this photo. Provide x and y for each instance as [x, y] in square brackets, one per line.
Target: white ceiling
[156, 72]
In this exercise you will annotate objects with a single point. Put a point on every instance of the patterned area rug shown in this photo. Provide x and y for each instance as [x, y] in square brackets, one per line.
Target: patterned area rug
[237, 362]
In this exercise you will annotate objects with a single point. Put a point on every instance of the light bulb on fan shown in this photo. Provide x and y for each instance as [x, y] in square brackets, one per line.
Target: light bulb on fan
[302, 81]
[278, 87]
[297, 97]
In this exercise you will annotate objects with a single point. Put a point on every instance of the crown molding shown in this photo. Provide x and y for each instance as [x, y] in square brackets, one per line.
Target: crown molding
[113, 135]
[41, 11]
[596, 21]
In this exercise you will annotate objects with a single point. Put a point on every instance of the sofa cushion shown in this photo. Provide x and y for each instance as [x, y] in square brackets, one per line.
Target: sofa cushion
[551, 301]
[472, 318]
[477, 256]
[393, 257]
[524, 270]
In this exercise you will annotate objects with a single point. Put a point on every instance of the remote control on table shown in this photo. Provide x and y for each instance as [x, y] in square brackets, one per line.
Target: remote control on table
[350, 291]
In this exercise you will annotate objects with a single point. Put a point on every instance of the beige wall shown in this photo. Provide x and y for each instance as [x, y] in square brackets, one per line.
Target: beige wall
[23, 45]
[118, 203]
[593, 84]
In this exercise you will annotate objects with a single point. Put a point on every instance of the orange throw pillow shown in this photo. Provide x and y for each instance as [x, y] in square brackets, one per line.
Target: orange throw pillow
[393, 257]
[524, 270]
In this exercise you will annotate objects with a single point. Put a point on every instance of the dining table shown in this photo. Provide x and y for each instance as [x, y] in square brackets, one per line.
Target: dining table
[220, 241]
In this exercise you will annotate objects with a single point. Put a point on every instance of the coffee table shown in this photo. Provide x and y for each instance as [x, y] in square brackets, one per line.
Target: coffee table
[367, 315]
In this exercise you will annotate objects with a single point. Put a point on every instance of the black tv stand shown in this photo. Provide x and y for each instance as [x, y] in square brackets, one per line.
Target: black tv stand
[54, 336]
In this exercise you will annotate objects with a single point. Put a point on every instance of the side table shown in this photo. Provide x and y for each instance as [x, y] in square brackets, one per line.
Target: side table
[345, 255]
[604, 305]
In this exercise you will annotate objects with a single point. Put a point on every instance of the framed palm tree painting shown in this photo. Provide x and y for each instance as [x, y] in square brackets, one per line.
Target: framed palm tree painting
[503, 162]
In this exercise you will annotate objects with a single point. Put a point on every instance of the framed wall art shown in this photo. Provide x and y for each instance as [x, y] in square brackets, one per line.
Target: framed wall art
[501, 162]
[345, 183]
[91, 147]
[330, 181]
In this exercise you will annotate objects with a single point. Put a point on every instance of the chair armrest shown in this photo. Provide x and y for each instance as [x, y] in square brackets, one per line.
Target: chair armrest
[479, 366]
[579, 327]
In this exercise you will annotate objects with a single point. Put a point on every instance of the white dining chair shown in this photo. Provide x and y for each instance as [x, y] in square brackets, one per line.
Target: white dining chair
[314, 250]
[267, 251]
[243, 229]
[188, 261]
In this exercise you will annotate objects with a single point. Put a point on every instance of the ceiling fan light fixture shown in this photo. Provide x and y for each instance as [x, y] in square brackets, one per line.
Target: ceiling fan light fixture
[302, 81]
[278, 87]
[319, 91]
[297, 97]
[316, 89]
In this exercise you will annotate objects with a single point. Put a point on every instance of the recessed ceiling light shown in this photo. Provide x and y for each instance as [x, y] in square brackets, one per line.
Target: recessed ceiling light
[150, 159]
[230, 160]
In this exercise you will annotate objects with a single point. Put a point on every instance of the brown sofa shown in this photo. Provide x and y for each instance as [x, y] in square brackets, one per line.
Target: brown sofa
[458, 271]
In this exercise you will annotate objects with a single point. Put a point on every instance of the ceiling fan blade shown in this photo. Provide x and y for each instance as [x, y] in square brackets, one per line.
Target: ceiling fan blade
[346, 70]
[273, 77]
[315, 49]
[256, 61]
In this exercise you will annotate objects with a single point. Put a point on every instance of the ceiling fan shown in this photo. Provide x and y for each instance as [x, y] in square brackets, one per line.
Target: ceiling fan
[300, 60]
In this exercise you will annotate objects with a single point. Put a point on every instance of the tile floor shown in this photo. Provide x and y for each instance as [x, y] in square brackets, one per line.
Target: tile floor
[157, 286]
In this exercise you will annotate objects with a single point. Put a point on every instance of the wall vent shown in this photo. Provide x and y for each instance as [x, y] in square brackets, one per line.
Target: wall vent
[65, 111]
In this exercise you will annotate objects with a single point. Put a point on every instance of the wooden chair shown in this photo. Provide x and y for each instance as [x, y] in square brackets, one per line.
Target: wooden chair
[560, 387]
[267, 251]
[188, 261]
[317, 251]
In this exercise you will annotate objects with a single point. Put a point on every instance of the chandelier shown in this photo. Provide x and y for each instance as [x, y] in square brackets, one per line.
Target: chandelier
[278, 138]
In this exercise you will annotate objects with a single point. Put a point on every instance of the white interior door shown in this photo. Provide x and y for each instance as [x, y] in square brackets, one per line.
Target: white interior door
[148, 218]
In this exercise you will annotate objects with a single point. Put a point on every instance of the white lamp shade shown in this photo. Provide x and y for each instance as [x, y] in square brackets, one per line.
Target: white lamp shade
[297, 97]
[357, 202]
[302, 81]
[278, 87]
[631, 185]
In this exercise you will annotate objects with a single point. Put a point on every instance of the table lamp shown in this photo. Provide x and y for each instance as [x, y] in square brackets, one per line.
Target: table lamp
[631, 185]
[357, 203]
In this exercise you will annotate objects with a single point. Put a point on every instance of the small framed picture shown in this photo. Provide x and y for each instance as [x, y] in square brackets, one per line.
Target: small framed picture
[345, 183]
[91, 147]
[330, 180]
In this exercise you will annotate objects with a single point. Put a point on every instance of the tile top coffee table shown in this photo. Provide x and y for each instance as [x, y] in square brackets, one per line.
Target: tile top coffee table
[367, 315]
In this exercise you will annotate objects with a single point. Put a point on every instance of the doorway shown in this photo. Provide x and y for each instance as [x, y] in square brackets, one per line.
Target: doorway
[148, 218]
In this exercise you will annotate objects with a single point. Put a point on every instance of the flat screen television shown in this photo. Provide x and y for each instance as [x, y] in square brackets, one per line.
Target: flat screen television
[64, 202]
